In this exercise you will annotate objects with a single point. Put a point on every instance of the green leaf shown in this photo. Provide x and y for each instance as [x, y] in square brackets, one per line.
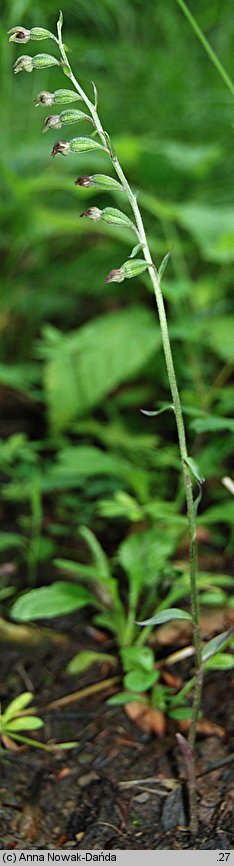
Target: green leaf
[84, 366]
[214, 645]
[82, 145]
[193, 466]
[163, 265]
[135, 250]
[115, 217]
[212, 424]
[42, 61]
[17, 705]
[25, 723]
[167, 616]
[138, 657]
[10, 539]
[124, 698]
[139, 680]
[54, 600]
[83, 660]
[180, 713]
[153, 412]
[220, 662]
[132, 268]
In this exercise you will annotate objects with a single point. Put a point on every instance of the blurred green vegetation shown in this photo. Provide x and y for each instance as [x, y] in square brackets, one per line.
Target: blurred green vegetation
[80, 358]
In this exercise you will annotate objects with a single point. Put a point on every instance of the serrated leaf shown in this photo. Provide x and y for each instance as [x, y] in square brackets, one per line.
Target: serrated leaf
[115, 217]
[134, 267]
[83, 145]
[17, 705]
[196, 471]
[54, 600]
[167, 616]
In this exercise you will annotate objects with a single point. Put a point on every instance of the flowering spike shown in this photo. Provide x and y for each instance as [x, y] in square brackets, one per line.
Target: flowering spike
[61, 147]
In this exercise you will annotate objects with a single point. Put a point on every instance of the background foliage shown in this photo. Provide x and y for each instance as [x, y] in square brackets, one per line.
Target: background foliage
[80, 358]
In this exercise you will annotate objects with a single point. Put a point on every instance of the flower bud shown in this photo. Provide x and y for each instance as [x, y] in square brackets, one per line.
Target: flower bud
[23, 64]
[115, 217]
[19, 34]
[52, 122]
[61, 147]
[93, 213]
[84, 181]
[134, 267]
[45, 98]
[115, 276]
[61, 97]
[81, 145]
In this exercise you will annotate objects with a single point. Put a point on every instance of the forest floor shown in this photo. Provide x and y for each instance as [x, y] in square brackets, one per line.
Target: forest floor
[98, 796]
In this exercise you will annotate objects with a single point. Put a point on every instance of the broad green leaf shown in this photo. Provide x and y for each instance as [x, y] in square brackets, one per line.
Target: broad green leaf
[75, 464]
[10, 539]
[220, 332]
[180, 713]
[83, 660]
[220, 662]
[211, 227]
[137, 657]
[84, 366]
[139, 680]
[125, 698]
[25, 723]
[166, 616]
[17, 705]
[54, 600]
[212, 424]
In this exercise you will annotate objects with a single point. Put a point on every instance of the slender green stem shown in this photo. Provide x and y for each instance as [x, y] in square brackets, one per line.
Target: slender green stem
[206, 45]
[173, 386]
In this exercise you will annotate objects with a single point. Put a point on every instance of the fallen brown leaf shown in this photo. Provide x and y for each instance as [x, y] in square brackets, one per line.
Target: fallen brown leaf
[146, 718]
[204, 727]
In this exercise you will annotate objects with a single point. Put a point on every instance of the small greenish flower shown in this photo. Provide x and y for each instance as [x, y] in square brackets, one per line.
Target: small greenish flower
[24, 64]
[45, 98]
[61, 147]
[52, 122]
[93, 213]
[115, 276]
[19, 34]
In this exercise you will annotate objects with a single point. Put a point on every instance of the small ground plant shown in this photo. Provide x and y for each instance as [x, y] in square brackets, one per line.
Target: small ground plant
[96, 586]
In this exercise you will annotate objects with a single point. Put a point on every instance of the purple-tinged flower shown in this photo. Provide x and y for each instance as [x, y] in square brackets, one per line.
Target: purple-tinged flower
[52, 122]
[93, 213]
[19, 34]
[61, 147]
[85, 181]
[44, 98]
[115, 276]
